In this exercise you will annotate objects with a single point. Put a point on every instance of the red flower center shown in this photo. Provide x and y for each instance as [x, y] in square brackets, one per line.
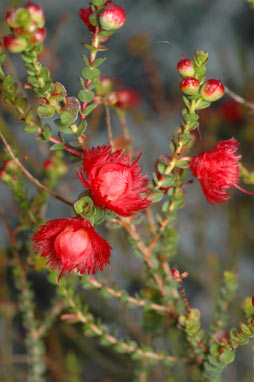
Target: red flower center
[114, 180]
[70, 245]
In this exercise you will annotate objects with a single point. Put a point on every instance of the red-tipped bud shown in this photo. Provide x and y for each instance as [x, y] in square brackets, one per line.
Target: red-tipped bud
[186, 68]
[212, 90]
[39, 36]
[112, 17]
[252, 300]
[36, 13]
[10, 17]
[190, 86]
[15, 44]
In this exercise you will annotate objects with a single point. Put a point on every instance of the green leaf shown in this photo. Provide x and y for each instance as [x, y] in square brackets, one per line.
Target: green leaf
[90, 74]
[7, 82]
[93, 85]
[66, 130]
[161, 167]
[45, 111]
[67, 118]
[45, 74]
[29, 116]
[47, 132]
[89, 109]
[168, 181]
[98, 62]
[156, 196]
[98, 2]
[90, 47]
[57, 146]
[81, 128]
[30, 129]
[2, 58]
[85, 59]
[85, 96]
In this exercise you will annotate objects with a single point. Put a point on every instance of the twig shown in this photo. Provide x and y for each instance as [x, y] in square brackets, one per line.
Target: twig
[239, 99]
[125, 346]
[30, 176]
[132, 300]
[131, 229]
[110, 135]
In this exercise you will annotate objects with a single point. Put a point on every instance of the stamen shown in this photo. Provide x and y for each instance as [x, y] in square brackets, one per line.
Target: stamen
[243, 190]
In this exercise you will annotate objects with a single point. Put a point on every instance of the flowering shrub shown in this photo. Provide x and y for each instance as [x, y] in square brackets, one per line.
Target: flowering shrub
[72, 253]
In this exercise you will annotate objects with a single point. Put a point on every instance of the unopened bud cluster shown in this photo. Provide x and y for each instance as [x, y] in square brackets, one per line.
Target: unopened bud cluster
[106, 16]
[27, 25]
[193, 76]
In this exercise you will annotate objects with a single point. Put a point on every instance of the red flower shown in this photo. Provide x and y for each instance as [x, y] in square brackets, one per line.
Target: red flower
[72, 244]
[114, 181]
[217, 170]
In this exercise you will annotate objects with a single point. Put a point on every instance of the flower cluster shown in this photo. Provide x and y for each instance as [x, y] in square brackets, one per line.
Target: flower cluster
[211, 91]
[27, 26]
[115, 183]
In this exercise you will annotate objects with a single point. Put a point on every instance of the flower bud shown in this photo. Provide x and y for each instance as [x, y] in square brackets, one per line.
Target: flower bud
[186, 68]
[112, 17]
[36, 13]
[10, 17]
[190, 86]
[105, 86]
[39, 36]
[212, 90]
[15, 44]
[127, 98]
[17, 17]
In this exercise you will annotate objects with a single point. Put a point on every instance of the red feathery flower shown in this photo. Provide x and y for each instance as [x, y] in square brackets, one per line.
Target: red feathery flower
[72, 244]
[217, 170]
[114, 181]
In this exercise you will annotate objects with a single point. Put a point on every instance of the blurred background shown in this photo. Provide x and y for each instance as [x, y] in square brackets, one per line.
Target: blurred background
[143, 56]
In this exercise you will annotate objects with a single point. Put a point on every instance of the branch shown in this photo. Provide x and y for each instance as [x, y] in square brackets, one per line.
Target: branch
[239, 99]
[122, 295]
[30, 176]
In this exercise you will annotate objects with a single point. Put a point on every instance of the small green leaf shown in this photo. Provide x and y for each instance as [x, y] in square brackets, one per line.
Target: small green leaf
[98, 62]
[67, 118]
[7, 82]
[47, 132]
[57, 146]
[81, 128]
[2, 58]
[85, 96]
[90, 74]
[30, 129]
[65, 130]
[45, 111]
[89, 109]
[93, 84]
